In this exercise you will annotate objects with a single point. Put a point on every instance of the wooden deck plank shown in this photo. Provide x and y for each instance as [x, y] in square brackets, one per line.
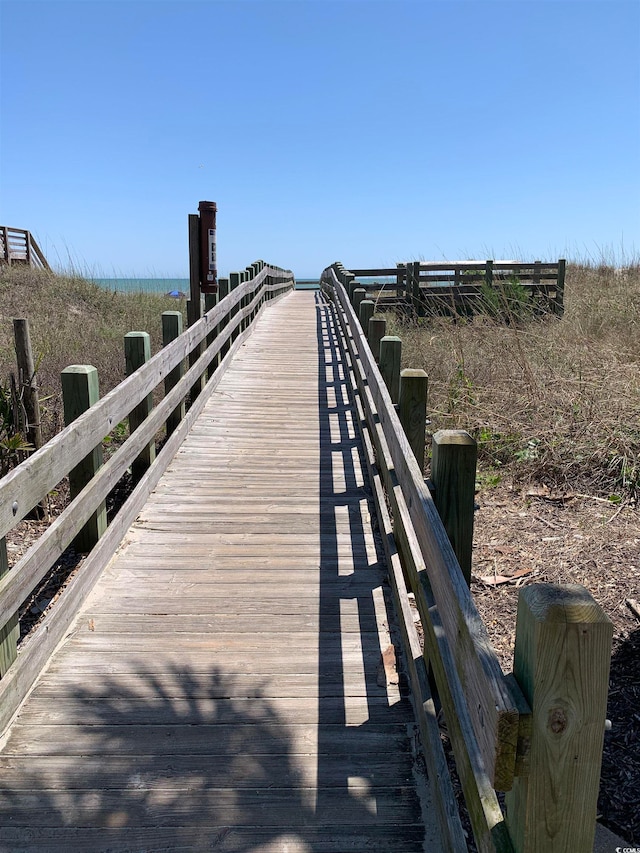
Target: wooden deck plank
[203, 835]
[223, 686]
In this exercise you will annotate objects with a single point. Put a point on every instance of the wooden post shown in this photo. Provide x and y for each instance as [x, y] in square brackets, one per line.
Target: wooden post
[415, 286]
[454, 456]
[248, 276]
[26, 378]
[561, 662]
[559, 304]
[235, 280]
[137, 350]
[172, 329]
[194, 305]
[488, 273]
[365, 313]
[412, 410]
[223, 290]
[400, 279]
[29, 393]
[359, 294]
[377, 331]
[390, 359]
[349, 281]
[210, 301]
[79, 392]
[9, 633]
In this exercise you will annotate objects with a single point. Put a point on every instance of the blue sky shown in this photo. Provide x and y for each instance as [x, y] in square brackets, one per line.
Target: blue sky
[369, 131]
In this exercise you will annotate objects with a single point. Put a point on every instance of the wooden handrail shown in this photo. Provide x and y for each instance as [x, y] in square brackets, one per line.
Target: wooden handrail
[508, 746]
[481, 712]
[494, 711]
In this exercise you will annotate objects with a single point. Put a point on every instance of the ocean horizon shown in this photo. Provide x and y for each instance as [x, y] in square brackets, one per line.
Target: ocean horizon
[166, 285]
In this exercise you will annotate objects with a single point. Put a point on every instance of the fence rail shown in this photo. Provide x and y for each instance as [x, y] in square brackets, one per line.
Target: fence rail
[464, 288]
[500, 725]
[19, 246]
[214, 338]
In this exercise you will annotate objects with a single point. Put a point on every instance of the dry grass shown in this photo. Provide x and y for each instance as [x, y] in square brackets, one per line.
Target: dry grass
[554, 400]
[73, 321]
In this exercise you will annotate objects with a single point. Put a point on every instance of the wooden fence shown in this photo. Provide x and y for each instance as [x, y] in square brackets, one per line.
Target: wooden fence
[465, 288]
[19, 246]
[77, 452]
[536, 733]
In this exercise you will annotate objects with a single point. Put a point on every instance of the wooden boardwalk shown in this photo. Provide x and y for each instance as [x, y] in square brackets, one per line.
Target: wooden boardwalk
[224, 686]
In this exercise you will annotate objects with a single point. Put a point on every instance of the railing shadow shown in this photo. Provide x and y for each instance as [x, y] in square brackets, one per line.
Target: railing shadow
[355, 613]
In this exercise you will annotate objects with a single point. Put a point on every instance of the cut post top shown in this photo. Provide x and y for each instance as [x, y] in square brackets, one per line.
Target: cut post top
[567, 604]
[453, 436]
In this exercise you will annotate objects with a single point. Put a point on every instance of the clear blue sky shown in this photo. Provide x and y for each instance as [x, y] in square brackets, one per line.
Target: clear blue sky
[369, 131]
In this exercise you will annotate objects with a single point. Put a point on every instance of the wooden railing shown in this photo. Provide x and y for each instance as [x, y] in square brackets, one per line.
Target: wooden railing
[19, 246]
[77, 452]
[465, 288]
[537, 732]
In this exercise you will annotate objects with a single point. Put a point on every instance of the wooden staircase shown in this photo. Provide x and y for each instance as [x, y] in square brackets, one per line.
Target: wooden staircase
[18, 246]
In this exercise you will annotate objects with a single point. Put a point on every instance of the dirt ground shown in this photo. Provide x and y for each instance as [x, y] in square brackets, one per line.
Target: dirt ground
[531, 535]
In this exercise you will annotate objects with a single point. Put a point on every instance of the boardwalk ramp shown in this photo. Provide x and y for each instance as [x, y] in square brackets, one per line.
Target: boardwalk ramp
[230, 683]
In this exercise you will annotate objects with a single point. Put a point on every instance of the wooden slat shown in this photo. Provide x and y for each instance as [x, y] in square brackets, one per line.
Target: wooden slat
[320, 836]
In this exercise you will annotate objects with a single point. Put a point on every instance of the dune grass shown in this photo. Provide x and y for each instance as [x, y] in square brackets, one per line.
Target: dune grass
[555, 400]
[73, 321]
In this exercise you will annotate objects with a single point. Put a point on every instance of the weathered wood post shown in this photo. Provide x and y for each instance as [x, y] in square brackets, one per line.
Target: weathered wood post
[390, 359]
[27, 382]
[194, 305]
[235, 280]
[412, 410]
[249, 275]
[359, 294]
[29, 393]
[9, 633]
[561, 662]
[454, 457]
[210, 301]
[377, 331]
[80, 391]
[137, 350]
[223, 290]
[365, 313]
[413, 270]
[172, 329]
[400, 280]
[559, 301]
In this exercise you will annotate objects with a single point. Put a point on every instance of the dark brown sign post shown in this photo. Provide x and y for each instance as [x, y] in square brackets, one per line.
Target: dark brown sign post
[208, 262]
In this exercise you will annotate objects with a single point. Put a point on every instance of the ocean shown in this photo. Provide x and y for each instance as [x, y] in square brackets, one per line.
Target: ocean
[166, 285]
